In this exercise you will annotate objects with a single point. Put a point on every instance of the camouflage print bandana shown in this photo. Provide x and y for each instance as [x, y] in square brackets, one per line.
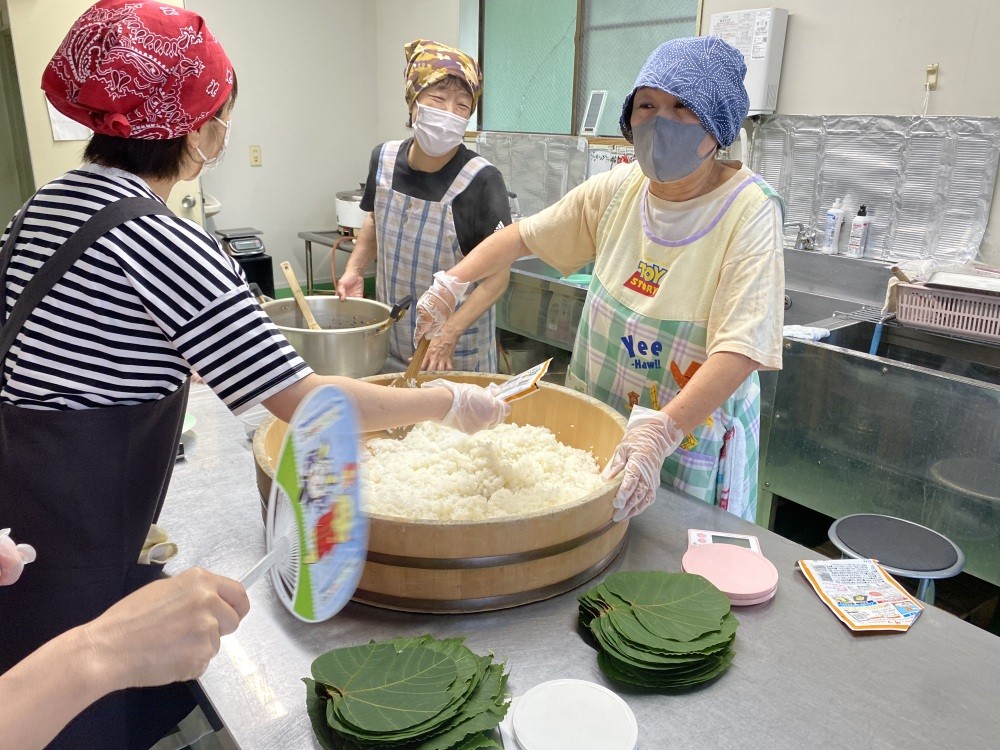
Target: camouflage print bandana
[430, 62]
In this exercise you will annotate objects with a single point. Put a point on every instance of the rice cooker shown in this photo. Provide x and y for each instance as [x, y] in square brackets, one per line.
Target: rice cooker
[350, 217]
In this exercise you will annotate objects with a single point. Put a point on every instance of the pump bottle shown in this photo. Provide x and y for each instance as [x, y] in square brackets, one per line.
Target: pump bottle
[831, 231]
[859, 234]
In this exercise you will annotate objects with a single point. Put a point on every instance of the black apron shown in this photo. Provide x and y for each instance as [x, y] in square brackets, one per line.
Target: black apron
[83, 486]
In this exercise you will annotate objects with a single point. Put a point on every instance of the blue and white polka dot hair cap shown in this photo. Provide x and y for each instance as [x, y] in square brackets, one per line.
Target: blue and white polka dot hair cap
[706, 74]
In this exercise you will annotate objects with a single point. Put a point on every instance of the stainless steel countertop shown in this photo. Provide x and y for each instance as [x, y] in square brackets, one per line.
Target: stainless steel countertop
[800, 679]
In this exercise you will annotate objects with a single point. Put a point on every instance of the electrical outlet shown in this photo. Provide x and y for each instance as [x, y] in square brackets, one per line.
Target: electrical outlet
[256, 157]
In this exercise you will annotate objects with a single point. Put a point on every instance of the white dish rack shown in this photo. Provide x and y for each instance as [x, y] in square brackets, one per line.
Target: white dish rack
[973, 315]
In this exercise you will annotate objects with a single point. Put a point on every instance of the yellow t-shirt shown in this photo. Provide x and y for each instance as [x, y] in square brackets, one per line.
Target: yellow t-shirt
[735, 287]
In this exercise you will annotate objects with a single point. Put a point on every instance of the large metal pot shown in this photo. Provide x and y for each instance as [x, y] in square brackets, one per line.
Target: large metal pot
[355, 339]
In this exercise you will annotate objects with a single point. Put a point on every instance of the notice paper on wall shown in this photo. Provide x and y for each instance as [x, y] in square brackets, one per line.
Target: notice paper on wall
[65, 129]
[861, 594]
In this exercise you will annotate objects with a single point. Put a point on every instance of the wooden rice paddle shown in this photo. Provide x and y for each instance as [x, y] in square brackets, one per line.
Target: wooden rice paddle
[404, 382]
[415, 361]
[300, 298]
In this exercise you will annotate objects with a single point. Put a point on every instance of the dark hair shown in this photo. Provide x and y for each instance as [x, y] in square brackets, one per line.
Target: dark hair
[448, 82]
[451, 82]
[159, 159]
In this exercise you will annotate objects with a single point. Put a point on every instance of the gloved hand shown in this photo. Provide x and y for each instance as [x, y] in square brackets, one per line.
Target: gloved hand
[473, 408]
[437, 304]
[13, 558]
[649, 438]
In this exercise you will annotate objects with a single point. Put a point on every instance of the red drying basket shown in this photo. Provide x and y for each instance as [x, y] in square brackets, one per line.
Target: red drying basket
[968, 314]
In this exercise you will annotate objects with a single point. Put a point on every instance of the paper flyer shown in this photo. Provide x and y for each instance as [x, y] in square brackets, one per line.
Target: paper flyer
[861, 594]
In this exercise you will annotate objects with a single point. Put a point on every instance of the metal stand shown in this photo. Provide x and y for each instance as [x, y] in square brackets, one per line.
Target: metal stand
[328, 238]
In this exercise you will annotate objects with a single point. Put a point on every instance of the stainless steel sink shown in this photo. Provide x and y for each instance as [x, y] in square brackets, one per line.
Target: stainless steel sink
[807, 308]
[540, 304]
[534, 266]
[844, 431]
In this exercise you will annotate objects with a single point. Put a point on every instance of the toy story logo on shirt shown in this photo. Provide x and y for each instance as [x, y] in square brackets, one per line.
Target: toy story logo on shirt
[647, 279]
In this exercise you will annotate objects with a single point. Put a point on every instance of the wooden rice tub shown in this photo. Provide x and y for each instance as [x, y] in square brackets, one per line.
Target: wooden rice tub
[470, 566]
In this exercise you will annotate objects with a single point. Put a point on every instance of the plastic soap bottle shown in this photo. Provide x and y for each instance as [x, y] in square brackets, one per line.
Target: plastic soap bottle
[831, 231]
[859, 234]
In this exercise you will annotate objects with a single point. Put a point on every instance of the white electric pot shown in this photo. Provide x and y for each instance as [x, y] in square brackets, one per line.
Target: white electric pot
[349, 213]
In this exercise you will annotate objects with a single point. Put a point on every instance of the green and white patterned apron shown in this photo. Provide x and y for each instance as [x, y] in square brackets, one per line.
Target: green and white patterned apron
[623, 358]
[417, 238]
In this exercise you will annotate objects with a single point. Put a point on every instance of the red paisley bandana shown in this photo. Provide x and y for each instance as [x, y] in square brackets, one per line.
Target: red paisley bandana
[139, 69]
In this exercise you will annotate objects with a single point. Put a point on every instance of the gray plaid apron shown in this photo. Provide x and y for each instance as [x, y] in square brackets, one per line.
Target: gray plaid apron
[416, 238]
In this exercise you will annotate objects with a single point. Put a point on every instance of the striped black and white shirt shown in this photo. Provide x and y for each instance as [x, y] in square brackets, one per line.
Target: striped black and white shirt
[145, 304]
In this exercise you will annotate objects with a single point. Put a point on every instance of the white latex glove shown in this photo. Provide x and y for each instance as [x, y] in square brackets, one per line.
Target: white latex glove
[13, 558]
[473, 408]
[437, 304]
[649, 438]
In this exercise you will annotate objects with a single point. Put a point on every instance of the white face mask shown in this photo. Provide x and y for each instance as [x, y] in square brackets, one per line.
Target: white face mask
[207, 163]
[437, 131]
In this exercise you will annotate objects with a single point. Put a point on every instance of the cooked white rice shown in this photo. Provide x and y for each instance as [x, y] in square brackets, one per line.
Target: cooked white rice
[437, 473]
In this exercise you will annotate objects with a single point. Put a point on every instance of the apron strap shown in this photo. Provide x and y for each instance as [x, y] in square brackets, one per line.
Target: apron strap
[387, 164]
[98, 225]
[472, 167]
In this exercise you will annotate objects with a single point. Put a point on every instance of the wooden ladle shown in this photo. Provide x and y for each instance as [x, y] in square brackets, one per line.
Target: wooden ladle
[300, 298]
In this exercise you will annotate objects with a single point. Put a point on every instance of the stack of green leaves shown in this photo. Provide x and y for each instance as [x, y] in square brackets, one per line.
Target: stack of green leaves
[406, 694]
[660, 630]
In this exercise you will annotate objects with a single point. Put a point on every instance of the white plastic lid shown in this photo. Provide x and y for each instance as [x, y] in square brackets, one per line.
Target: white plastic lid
[577, 714]
[743, 575]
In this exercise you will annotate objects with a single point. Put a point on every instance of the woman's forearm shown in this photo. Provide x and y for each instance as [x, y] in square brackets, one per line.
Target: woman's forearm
[715, 381]
[486, 293]
[496, 253]
[35, 705]
[365, 247]
[378, 407]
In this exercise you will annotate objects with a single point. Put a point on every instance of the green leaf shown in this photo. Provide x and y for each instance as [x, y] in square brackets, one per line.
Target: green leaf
[380, 689]
[632, 631]
[673, 606]
[480, 741]
[367, 697]
[471, 669]
[316, 708]
[617, 671]
[484, 710]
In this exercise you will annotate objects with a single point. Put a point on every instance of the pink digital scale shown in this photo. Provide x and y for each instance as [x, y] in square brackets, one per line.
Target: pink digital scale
[733, 563]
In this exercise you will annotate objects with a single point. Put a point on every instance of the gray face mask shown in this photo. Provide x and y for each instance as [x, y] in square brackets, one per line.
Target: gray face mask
[667, 150]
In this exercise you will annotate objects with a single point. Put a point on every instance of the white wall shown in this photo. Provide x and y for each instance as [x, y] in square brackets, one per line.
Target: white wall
[307, 97]
[320, 85]
[858, 57]
[399, 22]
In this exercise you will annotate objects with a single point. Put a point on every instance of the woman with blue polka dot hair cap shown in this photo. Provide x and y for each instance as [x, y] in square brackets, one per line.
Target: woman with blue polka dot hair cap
[686, 299]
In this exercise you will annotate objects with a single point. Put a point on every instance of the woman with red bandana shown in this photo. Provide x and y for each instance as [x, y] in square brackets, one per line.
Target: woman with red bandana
[109, 302]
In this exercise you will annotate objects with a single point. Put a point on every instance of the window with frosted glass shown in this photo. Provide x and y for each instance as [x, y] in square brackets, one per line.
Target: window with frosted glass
[528, 51]
[538, 79]
[616, 38]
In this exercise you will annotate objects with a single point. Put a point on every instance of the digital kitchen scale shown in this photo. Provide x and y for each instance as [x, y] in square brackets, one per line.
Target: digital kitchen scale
[733, 563]
[242, 241]
[700, 536]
